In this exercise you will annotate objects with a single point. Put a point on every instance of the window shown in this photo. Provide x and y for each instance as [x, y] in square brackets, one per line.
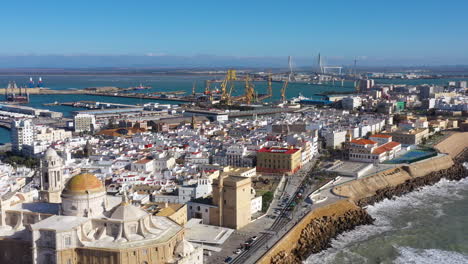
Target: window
[206, 210]
[67, 240]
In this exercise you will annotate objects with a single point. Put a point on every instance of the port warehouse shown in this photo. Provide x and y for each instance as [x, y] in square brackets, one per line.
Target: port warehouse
[26, 110]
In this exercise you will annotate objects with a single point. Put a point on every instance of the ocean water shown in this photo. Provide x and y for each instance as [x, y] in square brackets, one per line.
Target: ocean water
[159, 83]
[4, 135]
[168, 83]
[426, 226]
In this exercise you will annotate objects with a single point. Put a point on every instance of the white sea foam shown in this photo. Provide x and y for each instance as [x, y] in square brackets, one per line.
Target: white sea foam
[425, 256]
[434, 196]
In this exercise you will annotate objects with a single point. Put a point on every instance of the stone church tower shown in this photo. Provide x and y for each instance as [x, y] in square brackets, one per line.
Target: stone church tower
[52, 179]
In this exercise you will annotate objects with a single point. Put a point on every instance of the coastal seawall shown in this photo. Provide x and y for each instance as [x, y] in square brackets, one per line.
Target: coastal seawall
[454, 144]
[316, 230]
[454, 172]
[368, 187]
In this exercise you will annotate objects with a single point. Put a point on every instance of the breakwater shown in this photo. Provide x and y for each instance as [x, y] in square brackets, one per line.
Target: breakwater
[455, 172]
[367, 187]
[316, 230]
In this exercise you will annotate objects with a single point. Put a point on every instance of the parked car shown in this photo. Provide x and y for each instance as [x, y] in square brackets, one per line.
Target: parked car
[238, 251]
[254, 238]
[228, 259]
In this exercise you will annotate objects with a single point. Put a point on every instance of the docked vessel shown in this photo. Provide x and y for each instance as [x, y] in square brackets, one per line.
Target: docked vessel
[141, 87]
[13, 93]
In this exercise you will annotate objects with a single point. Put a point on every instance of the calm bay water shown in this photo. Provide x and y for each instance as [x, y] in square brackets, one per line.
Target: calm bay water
[426, 226]
[159, 83]
[4, 135]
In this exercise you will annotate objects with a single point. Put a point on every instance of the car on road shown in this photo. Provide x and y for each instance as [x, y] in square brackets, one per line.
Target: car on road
[227, 260]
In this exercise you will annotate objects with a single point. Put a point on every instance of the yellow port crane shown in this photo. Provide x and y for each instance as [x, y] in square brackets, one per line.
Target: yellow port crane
[249, 90]
[208, 90]
[227, 86]
[283, 91]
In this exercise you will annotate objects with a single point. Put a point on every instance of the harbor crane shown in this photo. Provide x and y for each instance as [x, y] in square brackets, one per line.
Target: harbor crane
[249, 90]
[283, 91]
[227, 86]
[194, 85]
[270, 88]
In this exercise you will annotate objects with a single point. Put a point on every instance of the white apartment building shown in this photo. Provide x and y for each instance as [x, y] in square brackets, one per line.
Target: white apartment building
[22, 133]
[164, 163]
[197, 158]
[351, 102]
[143, 165]
[202, 188]
[84, 122]
[235, 155]
[334, 139]
[48, 134]
[366, 150]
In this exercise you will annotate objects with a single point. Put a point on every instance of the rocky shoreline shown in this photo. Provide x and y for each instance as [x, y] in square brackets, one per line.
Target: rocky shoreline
[318, 234]
[454, 173]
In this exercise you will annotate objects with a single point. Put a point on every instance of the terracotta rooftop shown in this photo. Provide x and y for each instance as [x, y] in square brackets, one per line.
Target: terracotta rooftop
[385, 147]
[143, 161]
[363, 141]
[381, 136]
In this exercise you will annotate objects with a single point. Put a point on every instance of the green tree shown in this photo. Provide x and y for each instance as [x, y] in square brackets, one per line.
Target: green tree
[266, 200]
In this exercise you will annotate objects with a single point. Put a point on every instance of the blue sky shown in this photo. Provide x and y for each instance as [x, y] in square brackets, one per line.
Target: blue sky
[418, 32]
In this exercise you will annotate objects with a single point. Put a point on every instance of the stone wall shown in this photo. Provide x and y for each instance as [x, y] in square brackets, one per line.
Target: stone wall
[315, 232]
[367, 187]
[454, 144]
[455, 172]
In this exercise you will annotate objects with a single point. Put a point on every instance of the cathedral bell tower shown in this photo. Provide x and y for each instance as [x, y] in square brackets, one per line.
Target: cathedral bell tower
[52, 180]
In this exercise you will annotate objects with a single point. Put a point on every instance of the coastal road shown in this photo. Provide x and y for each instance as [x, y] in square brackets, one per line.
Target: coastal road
[286, 218]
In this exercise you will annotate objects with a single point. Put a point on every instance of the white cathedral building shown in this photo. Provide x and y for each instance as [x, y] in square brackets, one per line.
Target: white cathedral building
[74, 222]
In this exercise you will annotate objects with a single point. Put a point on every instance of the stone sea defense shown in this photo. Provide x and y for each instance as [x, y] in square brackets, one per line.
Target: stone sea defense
[315, 232]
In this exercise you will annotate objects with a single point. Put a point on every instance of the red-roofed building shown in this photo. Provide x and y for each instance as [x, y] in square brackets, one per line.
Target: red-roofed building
[274, 160]
[143, 165]
[367, 150]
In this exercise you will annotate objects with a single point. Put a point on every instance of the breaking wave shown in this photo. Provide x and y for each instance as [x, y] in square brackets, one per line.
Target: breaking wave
[349, 247]
[423, 256]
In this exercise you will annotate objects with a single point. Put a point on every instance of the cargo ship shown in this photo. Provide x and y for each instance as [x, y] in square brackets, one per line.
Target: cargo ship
[13, 93]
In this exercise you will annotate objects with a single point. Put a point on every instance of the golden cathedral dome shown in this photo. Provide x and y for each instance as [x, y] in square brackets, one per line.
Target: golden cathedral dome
[84, 183]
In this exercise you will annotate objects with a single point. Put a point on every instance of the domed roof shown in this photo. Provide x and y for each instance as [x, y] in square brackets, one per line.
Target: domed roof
[50, 152]
[128, 212]
[184, 248]
[84, 182]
